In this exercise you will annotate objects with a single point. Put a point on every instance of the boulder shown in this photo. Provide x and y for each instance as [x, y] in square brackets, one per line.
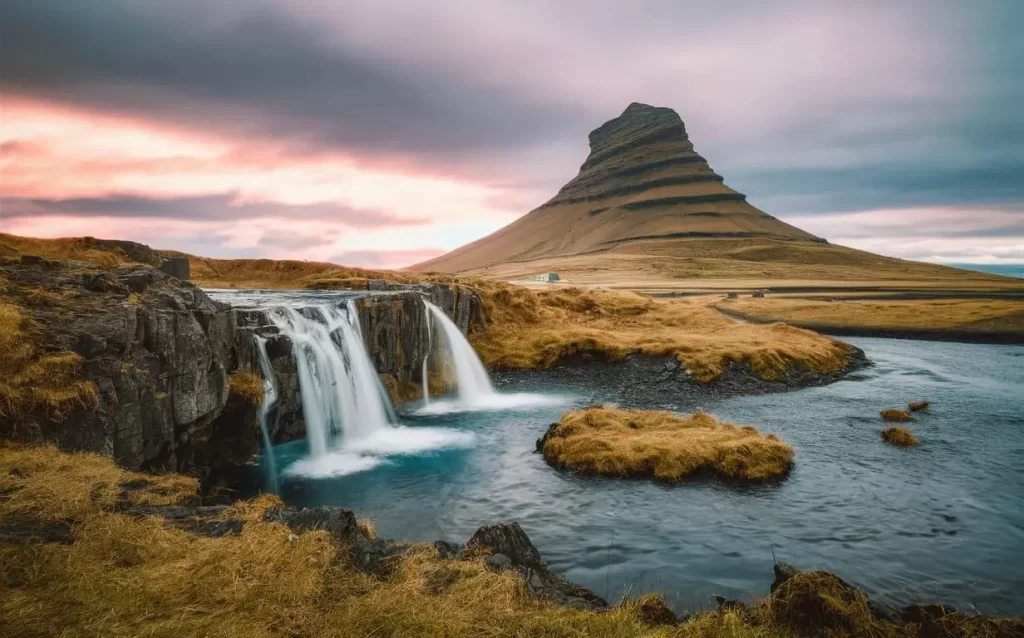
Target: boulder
[508, 547]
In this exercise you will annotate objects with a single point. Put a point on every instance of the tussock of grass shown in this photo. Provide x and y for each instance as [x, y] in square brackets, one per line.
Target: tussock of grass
[661, 445]
[894, 415]
[899, 436]
[247, 385]
[530, 329]
[366, 528]
[36, 382]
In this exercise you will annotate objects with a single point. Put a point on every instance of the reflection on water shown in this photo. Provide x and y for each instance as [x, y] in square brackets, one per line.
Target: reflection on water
[944, 521]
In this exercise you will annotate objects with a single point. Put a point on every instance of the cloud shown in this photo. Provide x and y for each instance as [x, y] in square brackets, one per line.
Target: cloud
[221, 207]
[380, 116]
[255, 68]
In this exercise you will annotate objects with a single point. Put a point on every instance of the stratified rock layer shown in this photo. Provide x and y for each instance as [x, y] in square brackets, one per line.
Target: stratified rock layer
[642, 181]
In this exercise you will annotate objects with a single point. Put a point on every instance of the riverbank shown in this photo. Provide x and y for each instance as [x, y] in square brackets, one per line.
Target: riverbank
[951, 319]
[134, 555]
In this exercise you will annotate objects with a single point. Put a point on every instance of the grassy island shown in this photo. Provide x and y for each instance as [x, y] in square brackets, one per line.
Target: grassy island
[663, 446]
[901, 437]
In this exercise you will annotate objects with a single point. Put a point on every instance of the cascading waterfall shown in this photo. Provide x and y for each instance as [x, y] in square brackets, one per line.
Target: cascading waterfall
[353, 317]
[270, 397]
[426, 357]
[473, 383]
[341, 393]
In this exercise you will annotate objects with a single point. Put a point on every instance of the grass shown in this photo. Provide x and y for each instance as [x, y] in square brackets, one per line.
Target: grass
[893, 415]
[127, 576]
[32, 381]
[42, 484]
[528, 329]
[663, 446]
[899, 436]
[76, 248]
[973, 315]
[247, 385]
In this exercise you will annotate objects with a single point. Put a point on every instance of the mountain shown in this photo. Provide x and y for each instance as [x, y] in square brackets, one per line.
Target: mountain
[646, 207]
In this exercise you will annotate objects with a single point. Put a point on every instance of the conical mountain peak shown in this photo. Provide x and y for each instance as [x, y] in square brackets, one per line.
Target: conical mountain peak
[642, 182]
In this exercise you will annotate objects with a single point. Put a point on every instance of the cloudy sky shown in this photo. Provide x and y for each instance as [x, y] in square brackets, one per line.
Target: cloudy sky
[381, 133]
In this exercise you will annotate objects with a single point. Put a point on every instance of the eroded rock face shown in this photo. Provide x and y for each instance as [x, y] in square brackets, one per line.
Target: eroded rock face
[158, 351]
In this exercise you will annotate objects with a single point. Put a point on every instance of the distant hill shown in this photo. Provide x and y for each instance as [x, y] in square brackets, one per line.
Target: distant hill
[646, 210]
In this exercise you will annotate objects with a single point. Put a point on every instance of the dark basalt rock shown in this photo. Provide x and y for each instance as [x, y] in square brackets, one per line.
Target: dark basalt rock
[339, 522]
[653, 612]
[510, 548]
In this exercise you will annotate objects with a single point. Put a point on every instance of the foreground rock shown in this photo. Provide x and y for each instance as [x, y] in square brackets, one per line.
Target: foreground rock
[509, 548]
[662, 446]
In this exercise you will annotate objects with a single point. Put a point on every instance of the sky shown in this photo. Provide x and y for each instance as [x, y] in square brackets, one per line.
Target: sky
[380, 133]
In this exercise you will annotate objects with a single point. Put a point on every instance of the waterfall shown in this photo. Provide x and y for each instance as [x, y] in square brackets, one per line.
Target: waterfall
[426, 356]
[353, 317]
[341, 393]
[473, 383]
[270, 396]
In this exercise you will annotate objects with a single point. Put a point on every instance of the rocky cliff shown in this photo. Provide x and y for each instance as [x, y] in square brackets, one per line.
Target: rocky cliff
[149, 357]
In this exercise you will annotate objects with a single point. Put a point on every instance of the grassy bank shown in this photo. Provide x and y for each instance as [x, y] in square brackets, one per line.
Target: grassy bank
[529, 329]
[137, 576]
[663, 446]
[967, 316]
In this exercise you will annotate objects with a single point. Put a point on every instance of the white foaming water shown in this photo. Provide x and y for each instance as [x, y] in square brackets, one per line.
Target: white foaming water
[270, 395]
[495, 401]
[426, 358]
[474, 386]
[349, 417]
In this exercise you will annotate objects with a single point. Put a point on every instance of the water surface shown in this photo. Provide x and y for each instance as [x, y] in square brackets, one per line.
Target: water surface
[944, 521]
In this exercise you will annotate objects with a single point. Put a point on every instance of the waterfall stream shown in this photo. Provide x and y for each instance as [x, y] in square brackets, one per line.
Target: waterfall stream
[350, 421]
[474, 386]
[270, 398]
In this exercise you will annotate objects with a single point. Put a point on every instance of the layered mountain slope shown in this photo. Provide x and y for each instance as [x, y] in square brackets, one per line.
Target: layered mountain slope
[646, 212]
[643, 180]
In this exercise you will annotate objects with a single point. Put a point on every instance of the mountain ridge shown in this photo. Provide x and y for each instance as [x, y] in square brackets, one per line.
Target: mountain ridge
[642, 180]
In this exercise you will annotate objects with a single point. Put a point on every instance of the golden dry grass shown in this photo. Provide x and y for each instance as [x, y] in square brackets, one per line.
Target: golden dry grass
[127, 576]
[899, 436]
[247, 385]
[894, 415]
[528, 329]
[34, 382]
[268, 273]
[75, 248]
[42, 484]
[661, 445]
[923, 314]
